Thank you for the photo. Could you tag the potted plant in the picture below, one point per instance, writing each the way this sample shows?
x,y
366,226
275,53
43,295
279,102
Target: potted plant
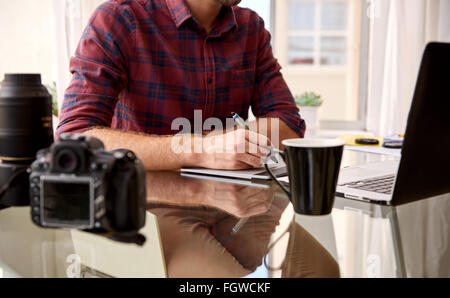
x,y
52,91
309,104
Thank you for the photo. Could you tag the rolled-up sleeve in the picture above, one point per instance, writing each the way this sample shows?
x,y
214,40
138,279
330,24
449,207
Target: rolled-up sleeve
x,y
99,70
272,98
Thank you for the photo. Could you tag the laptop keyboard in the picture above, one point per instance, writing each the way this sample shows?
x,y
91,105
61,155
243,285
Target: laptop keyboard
x,y
384,185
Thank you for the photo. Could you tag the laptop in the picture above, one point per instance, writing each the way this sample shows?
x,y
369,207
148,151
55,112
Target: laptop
x,y
424,168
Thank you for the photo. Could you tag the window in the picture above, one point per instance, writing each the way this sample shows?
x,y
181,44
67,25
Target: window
x,y
318,32
322,47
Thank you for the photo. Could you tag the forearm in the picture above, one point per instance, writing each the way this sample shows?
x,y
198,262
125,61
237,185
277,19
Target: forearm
x,y
154,151
160,153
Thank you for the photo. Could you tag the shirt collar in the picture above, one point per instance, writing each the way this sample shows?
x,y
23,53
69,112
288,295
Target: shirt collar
x,y
180,13
228,21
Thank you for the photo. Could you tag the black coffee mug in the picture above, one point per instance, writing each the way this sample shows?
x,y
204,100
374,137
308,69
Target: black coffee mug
x,y
313,167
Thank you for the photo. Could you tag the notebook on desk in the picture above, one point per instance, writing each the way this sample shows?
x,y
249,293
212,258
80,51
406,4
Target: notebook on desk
x,y
279,170
243,182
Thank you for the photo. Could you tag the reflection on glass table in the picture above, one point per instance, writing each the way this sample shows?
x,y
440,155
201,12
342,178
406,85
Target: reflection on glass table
x,y
198,241
189,234
383,241
30,251
370,240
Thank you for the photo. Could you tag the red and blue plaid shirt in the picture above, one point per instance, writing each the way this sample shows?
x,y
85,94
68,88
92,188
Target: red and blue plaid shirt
x,y
141,64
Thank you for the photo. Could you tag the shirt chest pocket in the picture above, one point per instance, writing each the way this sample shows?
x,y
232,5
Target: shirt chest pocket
x,y
235,90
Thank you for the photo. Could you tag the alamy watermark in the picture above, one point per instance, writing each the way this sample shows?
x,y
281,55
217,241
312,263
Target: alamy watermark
x,y
220,138
373,266
74,268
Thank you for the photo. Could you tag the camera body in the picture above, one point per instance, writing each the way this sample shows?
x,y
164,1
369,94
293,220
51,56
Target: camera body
x,y
76,184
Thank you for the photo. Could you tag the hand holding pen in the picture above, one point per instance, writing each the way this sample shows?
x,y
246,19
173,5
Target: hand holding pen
x,y
241,123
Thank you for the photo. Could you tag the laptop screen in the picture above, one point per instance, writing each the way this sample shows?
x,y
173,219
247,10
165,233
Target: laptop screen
x,y
425,165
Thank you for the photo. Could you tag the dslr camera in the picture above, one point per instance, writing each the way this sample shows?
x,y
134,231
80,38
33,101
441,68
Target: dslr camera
x,y
76,184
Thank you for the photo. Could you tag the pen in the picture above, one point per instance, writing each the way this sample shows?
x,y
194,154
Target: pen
x,y
241,123
239,225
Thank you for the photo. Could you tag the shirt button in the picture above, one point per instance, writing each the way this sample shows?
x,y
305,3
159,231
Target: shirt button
x,y
210,81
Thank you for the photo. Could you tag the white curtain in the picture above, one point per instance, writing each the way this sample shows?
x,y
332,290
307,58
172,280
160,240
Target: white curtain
x,y
70,18
400,30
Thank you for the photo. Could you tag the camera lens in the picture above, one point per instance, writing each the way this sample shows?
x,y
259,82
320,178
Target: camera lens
x,y
25,117
66,161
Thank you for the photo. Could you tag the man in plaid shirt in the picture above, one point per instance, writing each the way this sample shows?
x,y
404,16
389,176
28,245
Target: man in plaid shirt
x,y
141,64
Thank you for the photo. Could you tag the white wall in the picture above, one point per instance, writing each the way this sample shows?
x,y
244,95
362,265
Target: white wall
x,y
331,86
23,26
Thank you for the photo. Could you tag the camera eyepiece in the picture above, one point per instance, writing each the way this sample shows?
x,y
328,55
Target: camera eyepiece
x,y
66,161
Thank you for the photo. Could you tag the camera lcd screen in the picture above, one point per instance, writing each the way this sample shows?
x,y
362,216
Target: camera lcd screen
x,y
67,204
